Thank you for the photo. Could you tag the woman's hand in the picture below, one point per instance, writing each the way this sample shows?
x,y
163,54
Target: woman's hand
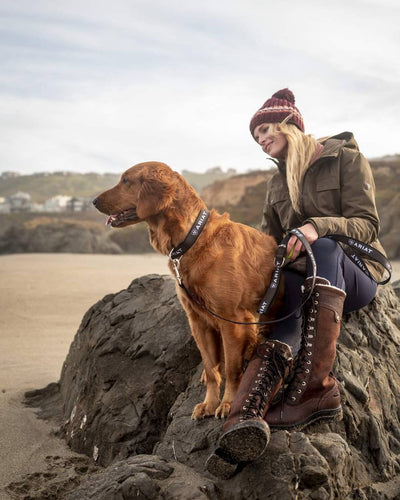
x,y
295,246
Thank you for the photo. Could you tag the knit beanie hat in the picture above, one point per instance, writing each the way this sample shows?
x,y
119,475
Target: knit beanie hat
x,y
276,109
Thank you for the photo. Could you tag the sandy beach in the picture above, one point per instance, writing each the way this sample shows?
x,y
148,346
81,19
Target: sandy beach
x,y
42,300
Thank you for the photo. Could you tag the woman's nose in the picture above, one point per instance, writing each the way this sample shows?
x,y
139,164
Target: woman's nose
x,y
261,139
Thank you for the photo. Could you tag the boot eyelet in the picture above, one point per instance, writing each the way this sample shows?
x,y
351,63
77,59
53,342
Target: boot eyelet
x,y
309,353
309,344
316,302
303,383
308,362
244,408
307,370
293,398
299,391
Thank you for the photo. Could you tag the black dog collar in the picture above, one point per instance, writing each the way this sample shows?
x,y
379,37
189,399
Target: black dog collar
x,y
192,235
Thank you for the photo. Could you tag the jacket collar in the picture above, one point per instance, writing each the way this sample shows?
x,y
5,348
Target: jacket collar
x,y
332,147
334,144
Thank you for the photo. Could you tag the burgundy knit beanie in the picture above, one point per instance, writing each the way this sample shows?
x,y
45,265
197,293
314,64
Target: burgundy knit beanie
x,y
276,109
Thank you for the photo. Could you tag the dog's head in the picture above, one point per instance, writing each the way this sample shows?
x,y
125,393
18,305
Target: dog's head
x,y
143,191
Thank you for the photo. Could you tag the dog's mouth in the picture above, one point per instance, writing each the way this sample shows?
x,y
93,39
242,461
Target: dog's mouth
x,y
120,218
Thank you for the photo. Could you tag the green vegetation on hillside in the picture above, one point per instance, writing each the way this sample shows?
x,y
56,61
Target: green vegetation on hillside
x,y
43,186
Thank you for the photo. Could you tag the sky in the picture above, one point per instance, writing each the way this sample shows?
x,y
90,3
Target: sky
x,y
99,85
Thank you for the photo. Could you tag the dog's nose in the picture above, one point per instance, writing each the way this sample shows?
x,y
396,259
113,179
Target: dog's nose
x,y
95,201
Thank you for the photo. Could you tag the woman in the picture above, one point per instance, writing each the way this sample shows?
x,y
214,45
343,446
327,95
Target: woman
x,y
321,187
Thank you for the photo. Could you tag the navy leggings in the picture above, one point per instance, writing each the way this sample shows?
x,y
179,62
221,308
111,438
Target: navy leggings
x,y
334,265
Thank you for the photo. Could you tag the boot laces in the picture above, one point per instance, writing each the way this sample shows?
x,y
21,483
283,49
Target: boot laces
x,y
303,366
271,371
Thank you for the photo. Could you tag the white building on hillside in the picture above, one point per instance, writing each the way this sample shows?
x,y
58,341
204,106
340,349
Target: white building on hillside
x,y
4,206
57,203
20,202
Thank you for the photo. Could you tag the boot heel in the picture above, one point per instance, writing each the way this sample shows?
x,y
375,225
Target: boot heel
x,y
246,440
220,466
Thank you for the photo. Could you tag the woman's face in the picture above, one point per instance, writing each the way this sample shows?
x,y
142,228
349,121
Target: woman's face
x,y
274,145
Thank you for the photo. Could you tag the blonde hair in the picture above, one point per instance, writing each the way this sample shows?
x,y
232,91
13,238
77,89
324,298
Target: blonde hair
x,y
301,149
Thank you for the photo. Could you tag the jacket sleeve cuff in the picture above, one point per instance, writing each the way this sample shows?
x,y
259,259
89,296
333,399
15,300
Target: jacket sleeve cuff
x,y
314,223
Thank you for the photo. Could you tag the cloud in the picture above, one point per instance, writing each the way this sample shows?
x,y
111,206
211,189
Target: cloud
x,y
100,85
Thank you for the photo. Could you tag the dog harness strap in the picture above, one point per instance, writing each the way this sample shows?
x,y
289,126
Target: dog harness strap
x,y
192,235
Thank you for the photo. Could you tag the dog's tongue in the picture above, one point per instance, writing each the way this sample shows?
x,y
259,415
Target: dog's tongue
x,y
109,220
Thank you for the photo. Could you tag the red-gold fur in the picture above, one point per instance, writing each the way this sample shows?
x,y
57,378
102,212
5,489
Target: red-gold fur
x,y
228,268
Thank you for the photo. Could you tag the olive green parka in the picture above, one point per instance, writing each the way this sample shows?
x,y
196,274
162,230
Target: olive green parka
x,y
337,197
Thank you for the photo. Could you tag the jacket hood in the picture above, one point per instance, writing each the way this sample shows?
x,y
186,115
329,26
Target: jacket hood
x,y
332,147
333,144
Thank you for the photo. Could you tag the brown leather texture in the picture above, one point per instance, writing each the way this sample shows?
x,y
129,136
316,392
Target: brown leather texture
x,y
314,389
269,366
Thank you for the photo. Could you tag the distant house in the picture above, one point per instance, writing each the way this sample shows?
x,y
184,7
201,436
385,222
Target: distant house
x,y
77,204
4,206
9,174
20,202
57,203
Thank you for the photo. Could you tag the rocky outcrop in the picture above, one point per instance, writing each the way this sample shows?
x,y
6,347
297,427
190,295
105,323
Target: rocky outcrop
x,y
80,235
132,377
131,358
57,236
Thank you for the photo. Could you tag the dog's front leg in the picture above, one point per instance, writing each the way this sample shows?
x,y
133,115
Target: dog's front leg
x,y
208,342
238,342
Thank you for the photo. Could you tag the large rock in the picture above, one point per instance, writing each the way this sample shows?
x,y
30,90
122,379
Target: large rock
x,y
131,358
132,377
57,236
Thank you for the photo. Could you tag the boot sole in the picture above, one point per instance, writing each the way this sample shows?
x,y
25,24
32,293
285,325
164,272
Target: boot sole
x,y
220,467
245,441
323,415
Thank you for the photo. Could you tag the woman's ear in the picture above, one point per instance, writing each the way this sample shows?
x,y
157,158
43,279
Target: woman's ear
x,y
154,196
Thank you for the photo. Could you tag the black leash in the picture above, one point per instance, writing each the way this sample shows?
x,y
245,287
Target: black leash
x,y
268,298
357,247
280,258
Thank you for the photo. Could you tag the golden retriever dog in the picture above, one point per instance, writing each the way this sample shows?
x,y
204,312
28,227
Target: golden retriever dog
x,y
228,269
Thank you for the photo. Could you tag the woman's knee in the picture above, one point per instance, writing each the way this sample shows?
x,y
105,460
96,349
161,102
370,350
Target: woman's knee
x,y
324,246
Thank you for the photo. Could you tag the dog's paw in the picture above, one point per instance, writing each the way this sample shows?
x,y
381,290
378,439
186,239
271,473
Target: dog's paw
x,y
203,410
223,410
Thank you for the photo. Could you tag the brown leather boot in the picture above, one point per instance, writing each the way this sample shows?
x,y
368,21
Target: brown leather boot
x,y
314,393
245,432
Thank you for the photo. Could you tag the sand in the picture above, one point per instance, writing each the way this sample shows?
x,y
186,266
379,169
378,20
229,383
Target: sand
x,y
43,298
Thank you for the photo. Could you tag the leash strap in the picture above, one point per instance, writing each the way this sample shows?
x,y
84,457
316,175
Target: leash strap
x,y
358,247
272,289
193,234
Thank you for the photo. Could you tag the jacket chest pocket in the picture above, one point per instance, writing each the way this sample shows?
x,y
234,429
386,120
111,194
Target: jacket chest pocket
x,y
325,201
282,206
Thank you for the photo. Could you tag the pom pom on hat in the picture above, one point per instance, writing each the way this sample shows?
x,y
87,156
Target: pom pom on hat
x,y
276,109
285,94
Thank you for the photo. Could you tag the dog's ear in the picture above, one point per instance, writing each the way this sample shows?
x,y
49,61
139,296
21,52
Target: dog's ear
x,y
155,194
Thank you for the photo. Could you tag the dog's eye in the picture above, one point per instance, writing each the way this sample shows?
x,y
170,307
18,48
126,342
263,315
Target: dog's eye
x,y
124,180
